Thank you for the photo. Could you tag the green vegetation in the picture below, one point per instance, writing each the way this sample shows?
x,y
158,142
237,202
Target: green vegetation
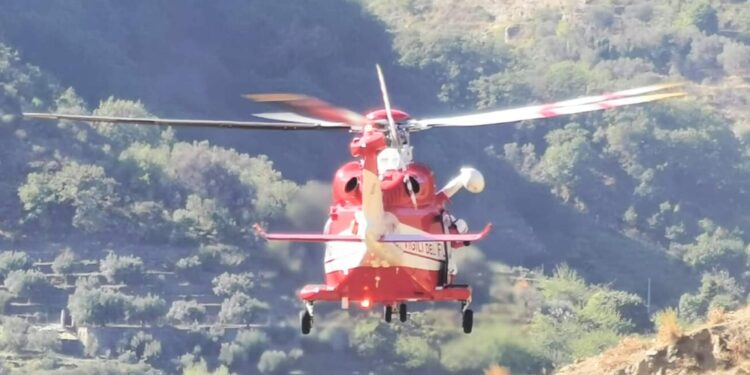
x,y
155,224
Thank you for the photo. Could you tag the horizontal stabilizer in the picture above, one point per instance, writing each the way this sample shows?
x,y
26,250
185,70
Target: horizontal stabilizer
x,y
429,237
305,237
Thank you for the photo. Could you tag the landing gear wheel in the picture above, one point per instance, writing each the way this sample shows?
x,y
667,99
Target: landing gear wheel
x,y
305,321
388,313
402,312
468,320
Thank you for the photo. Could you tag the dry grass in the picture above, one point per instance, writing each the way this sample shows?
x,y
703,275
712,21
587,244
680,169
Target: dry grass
x,y
621,354
668,328
737,348
717,316
497,370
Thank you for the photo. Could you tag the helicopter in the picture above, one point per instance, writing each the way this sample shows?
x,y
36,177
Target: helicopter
x,y
389,238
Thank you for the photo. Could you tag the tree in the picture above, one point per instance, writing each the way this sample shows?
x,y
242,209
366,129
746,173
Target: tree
x,y
189,267
96,306
613,311
149,221
186,312
735,58
80,195
246,348
14,333
148,309
123,136
718,290
228,284
565,79
716,247
308,207
372,338
218,256
241,309
565,284
568,162
415,352
702,15
30,283
122,269
273,362
202,220
201,368
64,261
13,260
5,298
142,346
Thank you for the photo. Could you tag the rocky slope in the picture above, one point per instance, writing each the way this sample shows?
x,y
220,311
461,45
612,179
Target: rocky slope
x,y
721,346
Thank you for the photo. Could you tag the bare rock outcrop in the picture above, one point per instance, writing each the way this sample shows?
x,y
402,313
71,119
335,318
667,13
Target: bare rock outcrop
x,y
721,348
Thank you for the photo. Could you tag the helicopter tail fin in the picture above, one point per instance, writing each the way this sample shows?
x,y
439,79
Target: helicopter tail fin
x,y
372,194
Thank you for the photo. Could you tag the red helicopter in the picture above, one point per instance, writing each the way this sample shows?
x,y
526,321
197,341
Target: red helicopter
x,y
389,237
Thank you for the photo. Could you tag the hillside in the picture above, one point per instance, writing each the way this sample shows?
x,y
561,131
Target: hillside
x,y
717,347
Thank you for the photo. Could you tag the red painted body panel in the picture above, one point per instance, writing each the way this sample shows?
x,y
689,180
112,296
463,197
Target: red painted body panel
x,y
382,115
384,286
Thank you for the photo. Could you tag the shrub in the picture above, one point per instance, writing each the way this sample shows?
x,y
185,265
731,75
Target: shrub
x,y
239,308
668,328
122,269
64,262
5,297
189,267
228,284
273,362
142,346
201,368
221,255
186,312
247,347
44,341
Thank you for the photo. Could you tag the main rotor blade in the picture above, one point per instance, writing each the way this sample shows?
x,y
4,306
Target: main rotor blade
x,y
185,123
387,103
616,95
312,107
293,117
537,112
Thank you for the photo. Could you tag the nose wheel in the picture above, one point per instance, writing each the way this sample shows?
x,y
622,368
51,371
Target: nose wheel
x,y
388,313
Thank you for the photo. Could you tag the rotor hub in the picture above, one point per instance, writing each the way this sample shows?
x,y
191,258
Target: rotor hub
x,y
382,115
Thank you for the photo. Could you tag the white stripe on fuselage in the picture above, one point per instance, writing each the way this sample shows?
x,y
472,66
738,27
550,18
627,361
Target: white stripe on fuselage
x,y
342,256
